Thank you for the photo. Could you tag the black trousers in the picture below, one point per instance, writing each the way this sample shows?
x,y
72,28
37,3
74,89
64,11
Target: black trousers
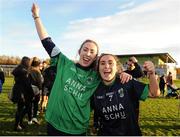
x,y
22,109
35,104
51,131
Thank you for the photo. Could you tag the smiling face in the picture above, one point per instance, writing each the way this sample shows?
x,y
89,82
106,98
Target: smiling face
x,y
107,68
88,54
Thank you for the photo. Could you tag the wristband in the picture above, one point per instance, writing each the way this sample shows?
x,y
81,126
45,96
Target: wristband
x,y
35,17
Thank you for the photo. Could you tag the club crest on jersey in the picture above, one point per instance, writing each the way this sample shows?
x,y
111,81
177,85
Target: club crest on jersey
x,y
89,80
121,92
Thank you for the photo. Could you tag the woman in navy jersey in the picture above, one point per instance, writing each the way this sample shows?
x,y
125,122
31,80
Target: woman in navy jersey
x,y
114,102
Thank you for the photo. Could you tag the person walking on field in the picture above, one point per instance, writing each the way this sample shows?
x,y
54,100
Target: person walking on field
x,y
36,83
169,82
2,79
68,110
22,93
162,83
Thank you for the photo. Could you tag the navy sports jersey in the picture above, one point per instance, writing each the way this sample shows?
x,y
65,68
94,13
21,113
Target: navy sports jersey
x,y
114,107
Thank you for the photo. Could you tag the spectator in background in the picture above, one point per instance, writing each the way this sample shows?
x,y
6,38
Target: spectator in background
x,y
135,70
36,83
45,92
22,92
2,79
162,83
169,79
169,82
43,65
49,75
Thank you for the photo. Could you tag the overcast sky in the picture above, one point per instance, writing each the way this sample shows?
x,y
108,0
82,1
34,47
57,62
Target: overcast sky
x,y
118,26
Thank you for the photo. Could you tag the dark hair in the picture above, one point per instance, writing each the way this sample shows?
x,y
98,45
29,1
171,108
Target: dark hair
x,y
119,65
130,59
25,61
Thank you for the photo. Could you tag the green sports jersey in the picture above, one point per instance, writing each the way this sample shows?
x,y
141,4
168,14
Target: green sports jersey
x,y
69,102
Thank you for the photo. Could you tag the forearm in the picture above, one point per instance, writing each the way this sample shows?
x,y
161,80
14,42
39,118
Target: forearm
x,y
153,86
50,47
40,28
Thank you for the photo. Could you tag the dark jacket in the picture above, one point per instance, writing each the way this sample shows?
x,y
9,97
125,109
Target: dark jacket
x,y
2,77
162,82
136,72
49,75
35,78
22,84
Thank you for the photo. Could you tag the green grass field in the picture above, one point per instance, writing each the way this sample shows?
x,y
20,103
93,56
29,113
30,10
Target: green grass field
x,y
158,117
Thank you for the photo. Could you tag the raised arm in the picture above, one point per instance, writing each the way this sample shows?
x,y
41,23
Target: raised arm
x,y
39,26
153,83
